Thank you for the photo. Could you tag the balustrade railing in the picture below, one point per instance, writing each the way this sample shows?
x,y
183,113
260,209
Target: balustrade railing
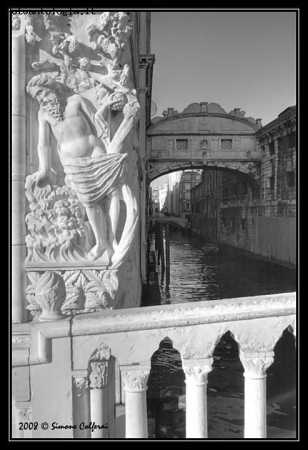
x,y
80,367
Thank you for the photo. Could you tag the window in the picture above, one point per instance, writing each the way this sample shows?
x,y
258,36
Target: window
x,y
182,144
187,195
271,148
187,205
290,179
263,150
198,177
226,144
271,183
292,140
187,186
203,143
243,224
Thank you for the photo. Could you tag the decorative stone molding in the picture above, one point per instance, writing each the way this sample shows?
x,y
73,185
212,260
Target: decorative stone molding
x,y
205,312
196,370
145,60
135,378
99,364
30,35
50,295
99,374
16,22
256,363
25,414
279,309
85,291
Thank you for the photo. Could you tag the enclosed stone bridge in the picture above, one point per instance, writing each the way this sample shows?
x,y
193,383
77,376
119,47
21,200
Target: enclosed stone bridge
x,y
171,220
204,135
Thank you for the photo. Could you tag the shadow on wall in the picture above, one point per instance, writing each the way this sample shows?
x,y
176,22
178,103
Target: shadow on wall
x,y
120,421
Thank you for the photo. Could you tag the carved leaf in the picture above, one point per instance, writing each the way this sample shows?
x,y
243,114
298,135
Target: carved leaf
x,y
70,276
33,277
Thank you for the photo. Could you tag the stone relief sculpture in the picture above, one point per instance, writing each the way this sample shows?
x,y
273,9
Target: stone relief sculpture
x,y
90,107
91,147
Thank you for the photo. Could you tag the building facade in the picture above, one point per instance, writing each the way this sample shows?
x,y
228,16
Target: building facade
x,y
227,209
189,179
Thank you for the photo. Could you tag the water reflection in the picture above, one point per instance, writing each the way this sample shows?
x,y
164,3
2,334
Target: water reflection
x,y
196,276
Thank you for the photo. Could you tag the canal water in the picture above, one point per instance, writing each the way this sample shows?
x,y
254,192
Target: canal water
x,y
196,276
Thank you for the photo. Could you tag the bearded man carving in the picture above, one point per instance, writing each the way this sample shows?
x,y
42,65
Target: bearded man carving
x,y
93,163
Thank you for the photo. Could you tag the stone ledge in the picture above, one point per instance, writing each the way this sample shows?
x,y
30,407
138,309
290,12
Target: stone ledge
x,y
149,318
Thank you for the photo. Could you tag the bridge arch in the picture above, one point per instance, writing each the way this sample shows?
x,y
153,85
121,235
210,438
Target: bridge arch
x,y
250,174
204,135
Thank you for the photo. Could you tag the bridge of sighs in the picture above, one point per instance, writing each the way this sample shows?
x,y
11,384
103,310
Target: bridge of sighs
x,y
203,135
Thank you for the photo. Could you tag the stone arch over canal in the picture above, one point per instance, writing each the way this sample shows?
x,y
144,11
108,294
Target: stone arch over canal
x,y
204,135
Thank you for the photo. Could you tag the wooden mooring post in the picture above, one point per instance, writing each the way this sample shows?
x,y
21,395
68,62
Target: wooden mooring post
x,y
167,239
162,248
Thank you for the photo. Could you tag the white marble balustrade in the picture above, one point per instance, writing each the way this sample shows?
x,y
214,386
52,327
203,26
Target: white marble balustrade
x,y
94,342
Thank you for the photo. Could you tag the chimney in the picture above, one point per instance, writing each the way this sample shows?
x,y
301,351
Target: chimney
x,y
170,112
204,106
258,123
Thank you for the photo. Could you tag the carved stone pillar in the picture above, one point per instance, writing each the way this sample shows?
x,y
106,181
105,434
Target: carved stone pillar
x,y
196,371
99,393
255,366
18,171
23,415
81,405
135,385
143,64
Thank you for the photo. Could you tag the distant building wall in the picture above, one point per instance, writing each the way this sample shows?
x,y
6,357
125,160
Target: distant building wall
x,y
226,210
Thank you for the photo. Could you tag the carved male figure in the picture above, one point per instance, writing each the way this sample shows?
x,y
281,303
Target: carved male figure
x,y
93,163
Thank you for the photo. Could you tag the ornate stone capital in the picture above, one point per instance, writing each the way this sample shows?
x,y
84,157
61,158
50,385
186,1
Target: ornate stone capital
x,y
49,295
24,411
80,384
135,378
196,370
99,364
256,363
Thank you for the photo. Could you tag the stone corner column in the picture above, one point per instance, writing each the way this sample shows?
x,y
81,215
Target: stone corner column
x,y
196,371
255,366
135,379
21,427
99,363
18,52
81,404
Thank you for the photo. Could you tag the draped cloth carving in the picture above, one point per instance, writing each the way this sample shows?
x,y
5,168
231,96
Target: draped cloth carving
x,y
90,107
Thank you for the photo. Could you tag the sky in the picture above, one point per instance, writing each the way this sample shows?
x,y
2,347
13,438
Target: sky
x,y
238,59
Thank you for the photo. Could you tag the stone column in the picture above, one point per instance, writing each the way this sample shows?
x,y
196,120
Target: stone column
x,y
196,371
18,171
143,64
81,405
99,392
255,366
135,385
23,415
